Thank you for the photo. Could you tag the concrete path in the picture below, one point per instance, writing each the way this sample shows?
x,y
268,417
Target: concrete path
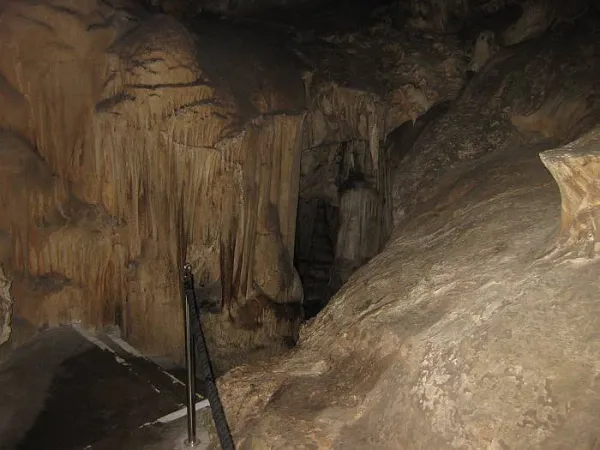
x,y
67,389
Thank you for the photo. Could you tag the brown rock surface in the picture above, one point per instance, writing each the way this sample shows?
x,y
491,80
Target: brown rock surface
x,y
131,152
461,334
130,143
545,92
575,169
6,302
467,331
151,141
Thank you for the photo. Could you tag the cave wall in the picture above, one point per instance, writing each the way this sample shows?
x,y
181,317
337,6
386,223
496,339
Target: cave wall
x,y
121,153
476,326
131,143
5,308
555,110
193,7
348,160
515,21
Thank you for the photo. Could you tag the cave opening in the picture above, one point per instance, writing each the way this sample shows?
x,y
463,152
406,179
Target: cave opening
x,y
316,237
344,214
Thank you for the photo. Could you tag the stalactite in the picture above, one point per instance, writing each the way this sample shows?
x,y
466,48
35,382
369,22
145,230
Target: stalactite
x,y
142,156
148,146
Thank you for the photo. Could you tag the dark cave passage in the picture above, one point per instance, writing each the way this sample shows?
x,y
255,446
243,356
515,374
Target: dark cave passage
x,y
345,208
316,236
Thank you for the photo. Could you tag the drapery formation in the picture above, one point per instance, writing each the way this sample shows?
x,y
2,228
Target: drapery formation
x,y
129,143
118,150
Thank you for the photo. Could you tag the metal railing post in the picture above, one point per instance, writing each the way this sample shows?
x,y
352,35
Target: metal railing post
x,y
190,362
195,341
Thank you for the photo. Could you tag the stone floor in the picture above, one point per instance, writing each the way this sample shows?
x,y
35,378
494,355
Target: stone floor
x,y
66,389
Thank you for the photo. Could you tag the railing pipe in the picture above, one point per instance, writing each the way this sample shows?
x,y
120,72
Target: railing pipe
x,y
190,363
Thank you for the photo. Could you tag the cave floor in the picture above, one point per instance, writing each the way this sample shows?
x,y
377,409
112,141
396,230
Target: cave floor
x,y
67,389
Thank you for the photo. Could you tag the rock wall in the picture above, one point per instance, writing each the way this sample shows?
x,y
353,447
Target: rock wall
x,y
514,91
347,165
5,308
128,154
193,7
475,326
132,144
517,20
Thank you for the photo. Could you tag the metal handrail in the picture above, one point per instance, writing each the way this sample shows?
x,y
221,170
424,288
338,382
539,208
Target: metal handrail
x,y
195,341
190,361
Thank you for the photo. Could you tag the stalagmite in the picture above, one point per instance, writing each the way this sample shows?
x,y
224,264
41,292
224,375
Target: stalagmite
x,y
484,49
360,222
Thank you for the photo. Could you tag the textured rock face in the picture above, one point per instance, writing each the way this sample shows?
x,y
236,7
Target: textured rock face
x,y
473,341
539,15
193,7
148,144
469,330
131,153
462,335
575,169
346,169
5,307
130,143
515,97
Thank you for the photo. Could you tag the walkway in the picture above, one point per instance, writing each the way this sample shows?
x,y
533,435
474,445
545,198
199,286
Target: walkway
x,y
67,389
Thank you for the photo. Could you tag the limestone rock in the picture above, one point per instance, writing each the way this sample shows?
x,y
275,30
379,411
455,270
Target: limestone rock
x,y
484,49
150,146
353,111
564,115
575,169
6,302
467,331
460,334
515,97
439,15
190,8
539,15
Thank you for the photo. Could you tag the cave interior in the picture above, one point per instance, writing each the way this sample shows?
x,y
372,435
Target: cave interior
x,y
306,157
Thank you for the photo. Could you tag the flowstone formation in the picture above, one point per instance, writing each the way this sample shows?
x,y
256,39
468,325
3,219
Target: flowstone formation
x,y
132,143
345,212
466,315
475,326
128,155
575,169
